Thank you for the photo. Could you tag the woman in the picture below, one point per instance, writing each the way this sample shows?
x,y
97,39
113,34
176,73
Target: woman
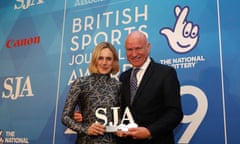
x,y
98,90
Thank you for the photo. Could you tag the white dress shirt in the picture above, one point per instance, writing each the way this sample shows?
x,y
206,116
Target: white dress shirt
x,y
142,71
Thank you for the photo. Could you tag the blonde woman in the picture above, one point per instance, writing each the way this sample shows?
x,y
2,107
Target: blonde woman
x,y
92,92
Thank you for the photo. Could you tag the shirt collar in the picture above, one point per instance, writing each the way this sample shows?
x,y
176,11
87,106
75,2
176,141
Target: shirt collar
x,y
145,65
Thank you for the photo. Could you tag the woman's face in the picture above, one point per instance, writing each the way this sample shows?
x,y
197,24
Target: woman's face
x,y
105,61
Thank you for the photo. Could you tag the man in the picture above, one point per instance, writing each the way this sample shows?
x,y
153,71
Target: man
x,y
156,106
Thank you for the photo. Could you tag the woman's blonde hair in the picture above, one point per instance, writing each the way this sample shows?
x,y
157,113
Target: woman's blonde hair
x,y
96,54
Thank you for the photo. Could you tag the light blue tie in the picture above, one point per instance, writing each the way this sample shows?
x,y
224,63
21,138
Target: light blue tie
x,y
133,83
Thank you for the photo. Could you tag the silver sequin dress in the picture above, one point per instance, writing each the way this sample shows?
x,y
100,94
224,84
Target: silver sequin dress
x,y
90,93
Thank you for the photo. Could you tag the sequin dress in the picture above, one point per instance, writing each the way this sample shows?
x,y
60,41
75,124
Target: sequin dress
x,y
89,93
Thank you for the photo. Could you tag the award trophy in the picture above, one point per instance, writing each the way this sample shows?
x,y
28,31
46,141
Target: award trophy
x,y
127,116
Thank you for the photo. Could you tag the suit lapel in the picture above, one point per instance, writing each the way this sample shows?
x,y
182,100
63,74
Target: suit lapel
x,y
128,97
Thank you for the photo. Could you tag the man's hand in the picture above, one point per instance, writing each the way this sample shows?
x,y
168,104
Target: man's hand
x,y
139,133
121,133
77,116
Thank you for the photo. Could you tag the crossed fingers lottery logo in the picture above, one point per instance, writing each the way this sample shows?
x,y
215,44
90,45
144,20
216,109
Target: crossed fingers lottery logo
x,y
184,36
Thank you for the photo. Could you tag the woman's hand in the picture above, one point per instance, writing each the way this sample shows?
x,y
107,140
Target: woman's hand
x,y
96,129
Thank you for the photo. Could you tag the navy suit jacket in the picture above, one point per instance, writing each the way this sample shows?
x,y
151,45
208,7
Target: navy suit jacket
x,y
157,103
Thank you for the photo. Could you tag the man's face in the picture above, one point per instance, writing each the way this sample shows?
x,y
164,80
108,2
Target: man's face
x,y
137,51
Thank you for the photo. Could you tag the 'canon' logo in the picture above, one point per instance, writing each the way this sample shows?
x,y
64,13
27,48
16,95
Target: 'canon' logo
x,y
11,43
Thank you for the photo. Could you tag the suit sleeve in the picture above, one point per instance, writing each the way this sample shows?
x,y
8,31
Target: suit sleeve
x,y
172,114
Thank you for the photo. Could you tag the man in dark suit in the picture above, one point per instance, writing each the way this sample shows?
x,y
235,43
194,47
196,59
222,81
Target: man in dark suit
x,y
156,106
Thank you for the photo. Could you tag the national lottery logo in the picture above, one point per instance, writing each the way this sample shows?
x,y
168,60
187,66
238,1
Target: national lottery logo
x,y
184,36
12,138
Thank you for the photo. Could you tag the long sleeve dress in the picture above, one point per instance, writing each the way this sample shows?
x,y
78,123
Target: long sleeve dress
x,y
89,93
